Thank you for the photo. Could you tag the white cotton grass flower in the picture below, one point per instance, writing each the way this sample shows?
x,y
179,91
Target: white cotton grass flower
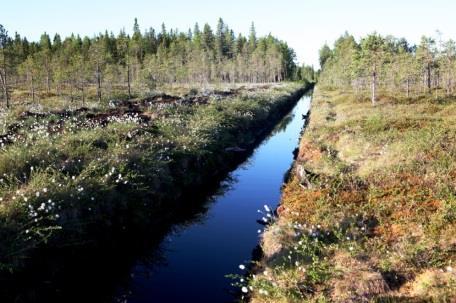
x,y
244,289
267,208
242,266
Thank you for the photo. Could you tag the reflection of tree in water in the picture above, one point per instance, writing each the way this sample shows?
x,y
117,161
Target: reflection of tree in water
x,y
198,214
283,124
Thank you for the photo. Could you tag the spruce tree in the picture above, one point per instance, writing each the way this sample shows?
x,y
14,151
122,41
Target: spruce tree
x,y
252,38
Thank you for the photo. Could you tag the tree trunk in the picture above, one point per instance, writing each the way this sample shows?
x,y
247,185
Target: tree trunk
x,y
408,88
83,93
5,84
32,88
429,83
48,82
71,92
374,87
450,88
128,81
98,82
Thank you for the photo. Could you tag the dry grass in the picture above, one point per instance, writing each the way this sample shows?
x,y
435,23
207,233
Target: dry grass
x,y
390,171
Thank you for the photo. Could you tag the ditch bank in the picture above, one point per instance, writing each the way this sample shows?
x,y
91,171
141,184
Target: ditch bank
x,y
368,211
86,239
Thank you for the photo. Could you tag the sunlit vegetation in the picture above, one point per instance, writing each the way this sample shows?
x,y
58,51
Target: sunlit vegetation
x,y
67,176
378,65
101,135
369,214
80,69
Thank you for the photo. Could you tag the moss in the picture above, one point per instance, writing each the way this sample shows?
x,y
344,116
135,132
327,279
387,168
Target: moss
x,y
390,171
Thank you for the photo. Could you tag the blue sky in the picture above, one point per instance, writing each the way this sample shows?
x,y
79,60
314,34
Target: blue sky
x,y
305,24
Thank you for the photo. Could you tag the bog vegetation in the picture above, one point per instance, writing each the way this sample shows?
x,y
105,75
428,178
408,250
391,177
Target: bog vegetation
x,y
103,135
114,66
74,178
369,214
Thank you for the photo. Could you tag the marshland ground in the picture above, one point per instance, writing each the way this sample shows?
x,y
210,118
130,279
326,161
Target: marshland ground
x,y
369,212
101,136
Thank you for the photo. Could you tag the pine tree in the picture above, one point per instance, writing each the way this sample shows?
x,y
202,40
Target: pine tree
x,y
207,38
220,41
373,55
4,57
107,62
123,45
45,59
197,36
324,55
136,42
426,56
56,43
99,59
30,69
448,60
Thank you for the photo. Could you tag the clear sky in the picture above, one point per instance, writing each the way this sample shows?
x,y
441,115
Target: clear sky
x,y
305,24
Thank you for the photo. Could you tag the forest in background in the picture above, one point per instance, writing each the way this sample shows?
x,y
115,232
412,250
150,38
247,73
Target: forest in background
x,y
389,65
368,213
109,66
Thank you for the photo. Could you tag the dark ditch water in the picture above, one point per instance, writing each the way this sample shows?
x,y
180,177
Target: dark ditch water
x,y
196,257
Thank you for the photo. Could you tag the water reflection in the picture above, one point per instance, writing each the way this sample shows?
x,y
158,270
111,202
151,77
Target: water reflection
x,y
183,261
201,253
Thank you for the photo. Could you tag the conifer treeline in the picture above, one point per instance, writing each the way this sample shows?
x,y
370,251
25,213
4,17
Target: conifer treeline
x,y
107,64
390,65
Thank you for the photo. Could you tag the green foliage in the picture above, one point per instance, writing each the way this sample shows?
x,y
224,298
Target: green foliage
x,y
388,65
76,67
325,53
